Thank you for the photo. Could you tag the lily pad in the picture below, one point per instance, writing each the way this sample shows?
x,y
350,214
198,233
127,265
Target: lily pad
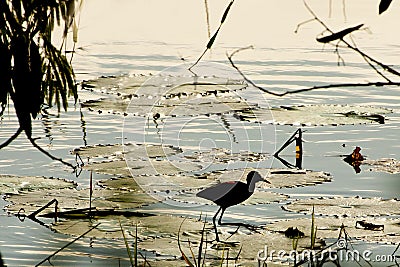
x,y
222,155
248,245
346,206
141,167
72,199
316,115
278,178
10,184
331,227
383,165
138,151
149,226
158,85
178,106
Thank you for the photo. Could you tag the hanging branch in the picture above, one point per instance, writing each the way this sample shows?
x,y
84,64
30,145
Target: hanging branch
x,y
212,39
33,142
12,138
302,89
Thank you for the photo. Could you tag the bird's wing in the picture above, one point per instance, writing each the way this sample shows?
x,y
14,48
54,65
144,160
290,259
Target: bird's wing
x,y
216,192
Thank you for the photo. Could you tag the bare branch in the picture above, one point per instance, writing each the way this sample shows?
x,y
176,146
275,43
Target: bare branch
x,y
33,142
378,84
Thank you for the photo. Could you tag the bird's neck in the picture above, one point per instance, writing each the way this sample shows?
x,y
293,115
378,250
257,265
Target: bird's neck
x,y
252,186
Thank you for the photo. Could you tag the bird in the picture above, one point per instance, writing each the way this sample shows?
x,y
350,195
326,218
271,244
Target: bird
x,y
229,194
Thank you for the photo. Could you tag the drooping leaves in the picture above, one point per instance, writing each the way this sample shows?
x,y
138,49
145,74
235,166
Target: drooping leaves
x,y
30,66
384,5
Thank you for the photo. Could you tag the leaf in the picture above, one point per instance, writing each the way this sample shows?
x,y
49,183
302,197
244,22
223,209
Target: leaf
x,y
226,12
384,5
210,43
338,35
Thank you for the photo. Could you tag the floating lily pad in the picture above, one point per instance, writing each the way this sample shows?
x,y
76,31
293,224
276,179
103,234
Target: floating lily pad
x,y
330,227
156,182
317,115
278,178
158,85
346,206
248,245
221,155
10,184
141,167
178,106
72,199
383,165
138,151
107,105
149,226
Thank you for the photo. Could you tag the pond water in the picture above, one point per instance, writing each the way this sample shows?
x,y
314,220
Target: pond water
x,y
149,37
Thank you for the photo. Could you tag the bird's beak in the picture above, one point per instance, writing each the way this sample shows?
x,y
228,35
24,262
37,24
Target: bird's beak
x,y
266,181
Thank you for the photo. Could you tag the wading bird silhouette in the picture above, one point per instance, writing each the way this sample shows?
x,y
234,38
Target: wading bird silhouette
x,y
229,194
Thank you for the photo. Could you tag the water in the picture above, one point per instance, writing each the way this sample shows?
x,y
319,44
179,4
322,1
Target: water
x,y
142,37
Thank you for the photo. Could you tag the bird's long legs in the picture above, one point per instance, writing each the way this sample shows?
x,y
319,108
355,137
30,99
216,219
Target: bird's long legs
x,y
215,226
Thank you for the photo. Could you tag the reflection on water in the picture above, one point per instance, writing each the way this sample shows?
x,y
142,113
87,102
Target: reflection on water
x,y
135,37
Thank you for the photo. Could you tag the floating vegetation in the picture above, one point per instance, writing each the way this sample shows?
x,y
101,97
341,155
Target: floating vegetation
x,y
72,199
385,229
10,184
222,155
138,151
178,106
316,115
166,95
383,165
346,206
134,167
278,178
248,245
149,226
162,86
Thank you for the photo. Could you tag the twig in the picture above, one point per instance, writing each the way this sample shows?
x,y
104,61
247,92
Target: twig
x,y
378,84
48,154
70,243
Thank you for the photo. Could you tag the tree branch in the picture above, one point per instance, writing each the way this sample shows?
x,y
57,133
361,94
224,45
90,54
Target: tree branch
x,y
388,83
49,155
12,138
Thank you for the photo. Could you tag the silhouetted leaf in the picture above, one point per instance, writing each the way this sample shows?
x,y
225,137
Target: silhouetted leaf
x,y
226,12
338,35
384,5
210,43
